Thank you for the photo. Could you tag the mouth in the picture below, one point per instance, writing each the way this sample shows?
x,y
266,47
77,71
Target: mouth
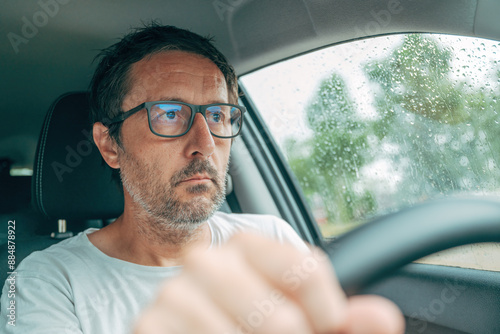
x,y
197,179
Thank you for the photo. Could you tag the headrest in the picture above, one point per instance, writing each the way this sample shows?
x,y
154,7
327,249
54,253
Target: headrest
x,y
70,178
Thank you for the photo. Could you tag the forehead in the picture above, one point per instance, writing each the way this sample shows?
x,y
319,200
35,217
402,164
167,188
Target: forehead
x,y
176,61
174,73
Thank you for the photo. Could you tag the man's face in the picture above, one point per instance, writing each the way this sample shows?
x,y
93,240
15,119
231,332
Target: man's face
x,y
175,180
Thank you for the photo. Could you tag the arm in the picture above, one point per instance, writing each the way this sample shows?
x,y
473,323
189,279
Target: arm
x,y
255,285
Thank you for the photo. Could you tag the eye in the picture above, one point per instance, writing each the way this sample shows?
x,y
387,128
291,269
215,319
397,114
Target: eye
x,y
170,115
215,114
216,117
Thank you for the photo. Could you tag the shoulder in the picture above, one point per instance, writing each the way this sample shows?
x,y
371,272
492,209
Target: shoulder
x,y
48,271
56,258
224,225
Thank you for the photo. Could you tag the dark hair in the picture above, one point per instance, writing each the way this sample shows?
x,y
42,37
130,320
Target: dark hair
x,y
111,80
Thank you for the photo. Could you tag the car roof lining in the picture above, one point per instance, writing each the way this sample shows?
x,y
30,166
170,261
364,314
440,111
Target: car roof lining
x,y
330,22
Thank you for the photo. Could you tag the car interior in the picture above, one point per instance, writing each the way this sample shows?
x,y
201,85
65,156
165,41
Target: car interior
x,y
54,183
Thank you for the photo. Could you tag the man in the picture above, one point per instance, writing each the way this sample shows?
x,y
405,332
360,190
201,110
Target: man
x,y
165,111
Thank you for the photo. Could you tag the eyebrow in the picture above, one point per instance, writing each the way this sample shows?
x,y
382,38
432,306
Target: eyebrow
x,y
172,98
178,99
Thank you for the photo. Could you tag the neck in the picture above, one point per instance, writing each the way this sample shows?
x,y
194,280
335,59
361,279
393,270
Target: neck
x,y
139,238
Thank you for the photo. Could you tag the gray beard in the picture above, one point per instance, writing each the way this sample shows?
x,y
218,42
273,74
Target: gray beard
x,y
165,218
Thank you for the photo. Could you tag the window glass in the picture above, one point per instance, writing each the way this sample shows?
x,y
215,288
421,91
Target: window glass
x,y
371,126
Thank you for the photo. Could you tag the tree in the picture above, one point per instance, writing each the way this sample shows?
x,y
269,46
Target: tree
x,y
328,164
443,130
440,124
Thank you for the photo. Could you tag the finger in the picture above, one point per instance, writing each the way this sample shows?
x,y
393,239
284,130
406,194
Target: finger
x,y
307,279
181,307
374,315
244,294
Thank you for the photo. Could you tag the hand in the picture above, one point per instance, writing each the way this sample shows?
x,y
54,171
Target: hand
x,y
256,285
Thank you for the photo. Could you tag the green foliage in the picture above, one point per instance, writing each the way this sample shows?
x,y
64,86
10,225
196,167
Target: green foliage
x,y
334,154
444,132
415,78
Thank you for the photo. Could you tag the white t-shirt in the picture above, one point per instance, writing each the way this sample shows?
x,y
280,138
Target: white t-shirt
x,y
72,287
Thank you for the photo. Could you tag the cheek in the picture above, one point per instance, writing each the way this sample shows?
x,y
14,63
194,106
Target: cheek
x,y
150,149
223,151
135,129
162,165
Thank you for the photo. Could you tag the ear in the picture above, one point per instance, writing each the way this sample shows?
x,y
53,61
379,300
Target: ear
x,y
106,145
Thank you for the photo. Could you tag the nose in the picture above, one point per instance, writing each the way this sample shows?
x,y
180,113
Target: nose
x,y
200,141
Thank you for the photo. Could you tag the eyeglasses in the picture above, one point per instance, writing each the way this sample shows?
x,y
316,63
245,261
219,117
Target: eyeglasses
x,y
174,119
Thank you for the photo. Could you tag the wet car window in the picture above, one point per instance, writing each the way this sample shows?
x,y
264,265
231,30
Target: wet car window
x,y
372,126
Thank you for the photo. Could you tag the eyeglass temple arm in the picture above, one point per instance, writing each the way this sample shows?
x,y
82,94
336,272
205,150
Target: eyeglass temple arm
x,y
123,116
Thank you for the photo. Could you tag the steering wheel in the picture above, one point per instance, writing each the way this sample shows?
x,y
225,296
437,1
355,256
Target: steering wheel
x,y
374,250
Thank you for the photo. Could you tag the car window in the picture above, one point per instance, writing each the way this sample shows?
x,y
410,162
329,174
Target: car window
x,y
375,125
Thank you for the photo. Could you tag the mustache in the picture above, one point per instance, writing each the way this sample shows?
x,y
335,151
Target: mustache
x,y
195,167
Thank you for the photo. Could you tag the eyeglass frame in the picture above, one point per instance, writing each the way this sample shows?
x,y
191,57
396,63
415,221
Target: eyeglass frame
x,y
197,108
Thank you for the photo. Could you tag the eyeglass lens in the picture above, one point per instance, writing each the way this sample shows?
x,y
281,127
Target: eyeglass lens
x,y
171,119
